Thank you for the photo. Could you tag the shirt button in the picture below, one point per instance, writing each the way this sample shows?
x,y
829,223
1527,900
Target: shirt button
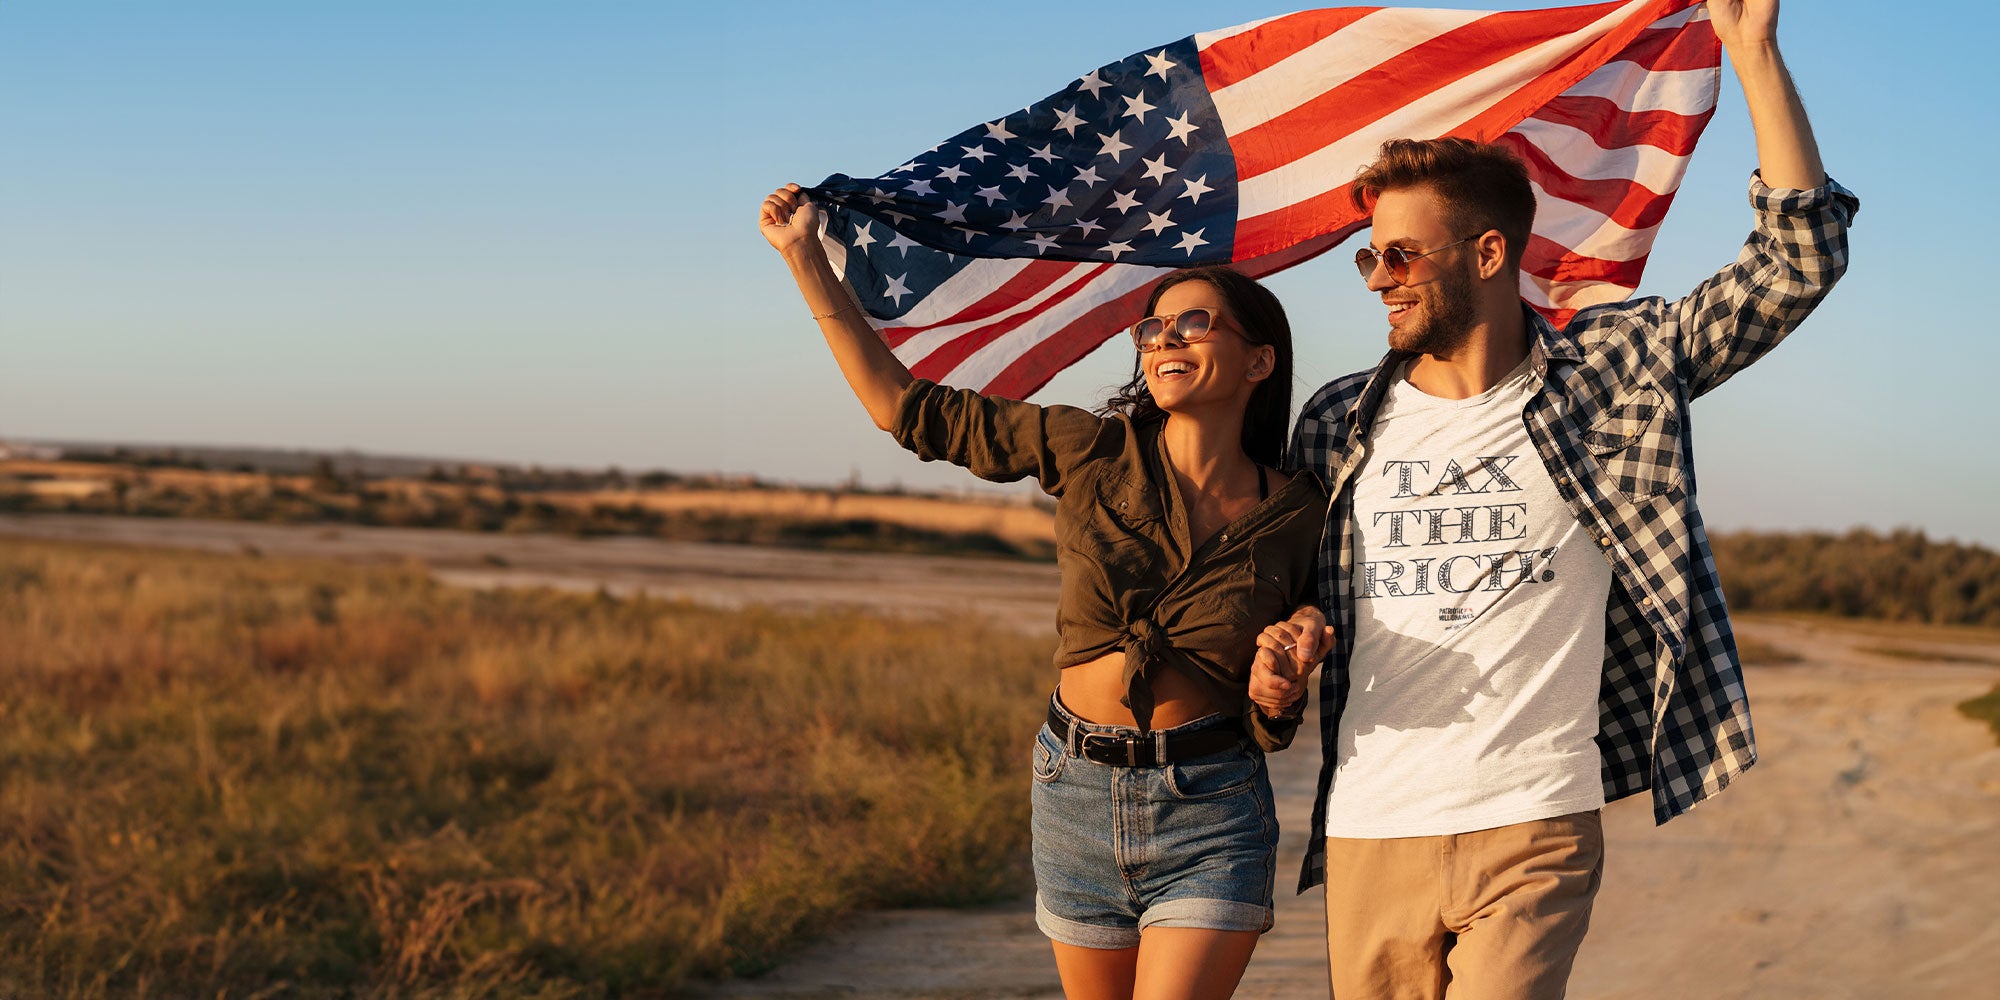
x,y
1604,540
1645,602
1225,536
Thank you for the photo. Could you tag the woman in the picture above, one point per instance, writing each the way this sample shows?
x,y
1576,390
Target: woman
x,y
1178,542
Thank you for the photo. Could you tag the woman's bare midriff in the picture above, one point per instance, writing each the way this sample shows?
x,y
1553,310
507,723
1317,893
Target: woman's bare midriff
x,y
1093,691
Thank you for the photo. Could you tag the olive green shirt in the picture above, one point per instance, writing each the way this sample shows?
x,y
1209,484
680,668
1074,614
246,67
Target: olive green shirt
x,y
1132,578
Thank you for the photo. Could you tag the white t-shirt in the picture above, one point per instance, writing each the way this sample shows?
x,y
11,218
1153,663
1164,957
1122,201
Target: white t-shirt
x,y
1479,627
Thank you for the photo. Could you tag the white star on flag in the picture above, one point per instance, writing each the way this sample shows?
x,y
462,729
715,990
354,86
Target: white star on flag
x,y
1191,240
1160,64
1195,189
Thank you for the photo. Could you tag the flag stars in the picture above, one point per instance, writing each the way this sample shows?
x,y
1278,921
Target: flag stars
x,y
1088,226
1123,201
1066,120
952,174
1016,223
953,212
1157,169
1058,198
1087,175
1195,189
1092,82
991,194
1160,64
919,187
976,151
1020,172
897,290
1191,240
1182,127
1117,249
863,239
903,243
1114,146
1042,243
1044,154
1158,222
997,131
1136,107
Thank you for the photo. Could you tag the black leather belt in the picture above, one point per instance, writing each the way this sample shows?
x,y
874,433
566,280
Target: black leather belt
x,y
1139,751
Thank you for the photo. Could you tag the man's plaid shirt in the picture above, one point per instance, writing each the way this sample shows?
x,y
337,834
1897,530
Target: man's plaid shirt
x,y
1610,420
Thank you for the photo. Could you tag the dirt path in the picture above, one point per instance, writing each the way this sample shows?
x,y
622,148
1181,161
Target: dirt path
x,y
1859,858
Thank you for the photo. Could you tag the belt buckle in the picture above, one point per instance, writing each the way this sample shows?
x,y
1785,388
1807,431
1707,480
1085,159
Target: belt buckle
x,y
1109,741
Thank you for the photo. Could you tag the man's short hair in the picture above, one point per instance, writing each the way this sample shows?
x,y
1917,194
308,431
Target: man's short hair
x,y
1482,186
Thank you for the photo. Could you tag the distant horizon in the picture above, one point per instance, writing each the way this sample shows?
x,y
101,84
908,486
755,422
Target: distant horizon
x,y
972,489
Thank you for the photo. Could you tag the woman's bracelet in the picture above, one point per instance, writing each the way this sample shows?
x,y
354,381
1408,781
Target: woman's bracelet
x,y
836,312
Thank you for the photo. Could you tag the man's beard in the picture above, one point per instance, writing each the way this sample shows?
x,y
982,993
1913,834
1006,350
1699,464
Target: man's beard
x,y
1448,314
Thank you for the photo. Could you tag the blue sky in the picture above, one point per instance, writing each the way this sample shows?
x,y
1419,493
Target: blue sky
x,y
525,231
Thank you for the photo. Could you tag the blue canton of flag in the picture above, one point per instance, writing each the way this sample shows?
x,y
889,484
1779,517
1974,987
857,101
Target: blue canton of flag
x,y
1127,165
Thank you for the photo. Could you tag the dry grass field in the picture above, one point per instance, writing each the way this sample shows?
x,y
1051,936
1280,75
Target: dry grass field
x,y
236,776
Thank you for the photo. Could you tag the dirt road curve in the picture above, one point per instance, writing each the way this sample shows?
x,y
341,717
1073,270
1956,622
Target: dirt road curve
x,y
1859,859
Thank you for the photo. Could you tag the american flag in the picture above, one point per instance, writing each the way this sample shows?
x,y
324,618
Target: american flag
x,y
1000,256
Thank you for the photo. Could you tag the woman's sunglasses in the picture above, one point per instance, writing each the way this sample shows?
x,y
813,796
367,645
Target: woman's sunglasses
x,y
1190,326
1396,259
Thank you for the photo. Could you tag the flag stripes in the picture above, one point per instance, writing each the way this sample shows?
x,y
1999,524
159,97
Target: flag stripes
x,y
1604,103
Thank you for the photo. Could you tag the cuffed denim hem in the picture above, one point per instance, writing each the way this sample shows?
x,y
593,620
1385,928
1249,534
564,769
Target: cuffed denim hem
x,y
1081,935
1208,914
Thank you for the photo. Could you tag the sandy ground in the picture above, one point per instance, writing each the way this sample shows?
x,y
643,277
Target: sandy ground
x,y
1859,858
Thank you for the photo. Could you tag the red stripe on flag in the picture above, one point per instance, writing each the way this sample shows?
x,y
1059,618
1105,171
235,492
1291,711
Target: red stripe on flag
x,y
1066,346
1273,231
1692,46
1408,76
1545,258
1247,53
1503,115
1024,285
948,355
1614,127
1626,202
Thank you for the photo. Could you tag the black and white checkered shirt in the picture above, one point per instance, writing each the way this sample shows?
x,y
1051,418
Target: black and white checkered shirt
x,y
1610,419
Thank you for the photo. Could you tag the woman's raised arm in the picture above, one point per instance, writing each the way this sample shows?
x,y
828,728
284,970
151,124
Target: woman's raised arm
x,y
790,221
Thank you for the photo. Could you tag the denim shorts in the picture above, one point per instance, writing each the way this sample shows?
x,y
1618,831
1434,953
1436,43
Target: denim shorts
x,y
1119,849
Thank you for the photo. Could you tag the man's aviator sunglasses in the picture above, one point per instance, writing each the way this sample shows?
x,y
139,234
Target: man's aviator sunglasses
x,y
1190,326
1396,259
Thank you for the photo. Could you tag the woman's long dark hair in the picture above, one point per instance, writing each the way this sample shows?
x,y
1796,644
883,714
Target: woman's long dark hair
x,y
1256,312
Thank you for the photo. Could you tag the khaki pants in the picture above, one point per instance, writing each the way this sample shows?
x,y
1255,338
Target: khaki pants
x,y
1470,916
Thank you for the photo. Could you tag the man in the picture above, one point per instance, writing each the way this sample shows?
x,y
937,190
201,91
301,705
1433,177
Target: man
x,y
1527,617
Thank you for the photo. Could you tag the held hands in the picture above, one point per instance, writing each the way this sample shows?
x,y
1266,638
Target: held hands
x,y
789,220
1287,654
1744,22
